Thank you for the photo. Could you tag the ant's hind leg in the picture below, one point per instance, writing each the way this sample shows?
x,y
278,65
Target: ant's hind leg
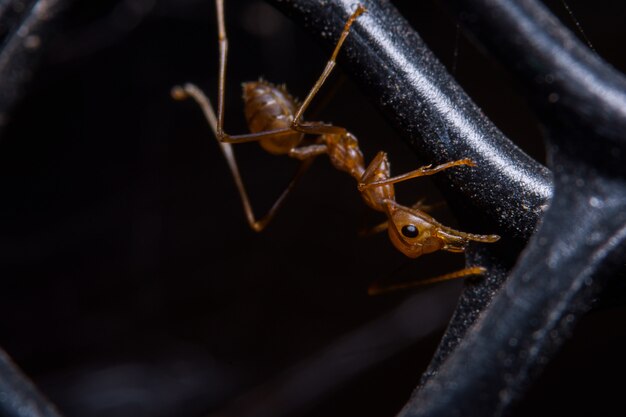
x,y
219,125
223,47
193,91
190,90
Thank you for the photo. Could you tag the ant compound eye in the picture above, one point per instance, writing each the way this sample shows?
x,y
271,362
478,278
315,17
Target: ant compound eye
x,y
410,231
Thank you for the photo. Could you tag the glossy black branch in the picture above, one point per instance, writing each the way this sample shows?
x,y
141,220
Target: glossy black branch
x,y
581,242
392,64
441,123
581,101
555,282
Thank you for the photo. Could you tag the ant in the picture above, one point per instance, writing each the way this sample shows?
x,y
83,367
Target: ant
x,y
275,120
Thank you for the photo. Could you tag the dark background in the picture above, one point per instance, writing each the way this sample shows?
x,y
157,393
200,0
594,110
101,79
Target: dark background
x,y
131,283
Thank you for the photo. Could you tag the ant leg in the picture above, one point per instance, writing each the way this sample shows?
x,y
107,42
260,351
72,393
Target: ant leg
x,y
312,128
420,205
191,90
223,47
377,288
194,92
223,50
327,70
420,172
317,128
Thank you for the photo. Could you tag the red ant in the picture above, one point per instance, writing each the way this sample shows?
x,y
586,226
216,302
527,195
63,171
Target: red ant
x,y
275,119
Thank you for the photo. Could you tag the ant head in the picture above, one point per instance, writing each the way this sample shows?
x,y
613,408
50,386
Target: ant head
x,y
412,231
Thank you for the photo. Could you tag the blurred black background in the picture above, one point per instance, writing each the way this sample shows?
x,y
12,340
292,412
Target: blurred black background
x,y
131,283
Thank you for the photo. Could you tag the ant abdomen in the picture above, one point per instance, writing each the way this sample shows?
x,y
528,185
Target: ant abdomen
x,y
269,107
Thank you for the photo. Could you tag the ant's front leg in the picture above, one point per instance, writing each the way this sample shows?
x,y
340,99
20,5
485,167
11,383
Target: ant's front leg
x,y
420,172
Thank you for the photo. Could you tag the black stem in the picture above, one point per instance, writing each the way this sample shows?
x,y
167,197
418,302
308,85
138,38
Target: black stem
x,y
438,120
581,242
582,103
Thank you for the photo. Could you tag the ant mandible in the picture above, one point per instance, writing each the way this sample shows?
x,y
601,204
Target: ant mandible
x,y
275,120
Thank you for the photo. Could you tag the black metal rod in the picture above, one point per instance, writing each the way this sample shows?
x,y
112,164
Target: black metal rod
x,y
581,242
441,123
561,76
555,282
581,101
